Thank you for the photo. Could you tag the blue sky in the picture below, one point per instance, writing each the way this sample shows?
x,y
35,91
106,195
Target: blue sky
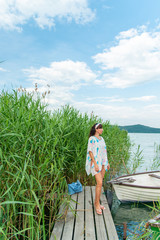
x,y
98,56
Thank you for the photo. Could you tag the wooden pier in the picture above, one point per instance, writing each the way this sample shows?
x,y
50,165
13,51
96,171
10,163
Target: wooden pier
x,y
85,224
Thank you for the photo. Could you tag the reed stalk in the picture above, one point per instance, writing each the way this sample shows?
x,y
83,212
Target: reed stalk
x,y
40,153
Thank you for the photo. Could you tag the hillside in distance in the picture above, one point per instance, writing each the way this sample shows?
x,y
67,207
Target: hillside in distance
x,y
138,128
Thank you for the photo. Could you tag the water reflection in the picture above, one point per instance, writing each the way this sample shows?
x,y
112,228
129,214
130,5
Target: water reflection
x,y
133,214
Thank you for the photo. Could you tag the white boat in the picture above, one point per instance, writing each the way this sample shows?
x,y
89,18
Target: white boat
x,y
139,187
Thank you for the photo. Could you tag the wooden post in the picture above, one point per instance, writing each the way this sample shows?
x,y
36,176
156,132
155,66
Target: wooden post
x,y
124,231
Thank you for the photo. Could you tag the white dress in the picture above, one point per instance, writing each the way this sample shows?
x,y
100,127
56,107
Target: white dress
x,y
98,148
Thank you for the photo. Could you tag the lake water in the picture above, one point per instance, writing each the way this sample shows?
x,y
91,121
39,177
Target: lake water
x,y
148,143
133,214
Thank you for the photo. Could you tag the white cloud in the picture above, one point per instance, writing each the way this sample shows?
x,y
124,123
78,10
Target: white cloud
x,y
134,59
127,34
3,70
119,99
115,114
63,77
143,98
153,108
66,77
15,13
123,115
67,72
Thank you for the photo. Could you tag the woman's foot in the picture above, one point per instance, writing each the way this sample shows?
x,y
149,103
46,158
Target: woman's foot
x,y
98,211
102,207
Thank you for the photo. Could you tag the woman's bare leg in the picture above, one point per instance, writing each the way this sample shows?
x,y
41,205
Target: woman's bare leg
x,y
98,178
103,172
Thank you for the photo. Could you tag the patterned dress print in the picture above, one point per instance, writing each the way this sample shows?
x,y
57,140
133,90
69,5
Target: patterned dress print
x,y
98,148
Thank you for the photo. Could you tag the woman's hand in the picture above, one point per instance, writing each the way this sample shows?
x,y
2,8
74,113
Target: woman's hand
x,y
108,166
96,167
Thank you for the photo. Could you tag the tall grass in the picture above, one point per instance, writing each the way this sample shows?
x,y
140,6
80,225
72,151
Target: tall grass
x,y
156,160
145,232
40,152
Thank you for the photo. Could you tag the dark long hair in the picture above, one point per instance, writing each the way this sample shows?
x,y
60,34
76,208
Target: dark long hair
x,y
93,130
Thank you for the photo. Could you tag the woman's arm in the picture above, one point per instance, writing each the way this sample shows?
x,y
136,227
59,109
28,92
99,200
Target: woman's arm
x,y
93,160
108,166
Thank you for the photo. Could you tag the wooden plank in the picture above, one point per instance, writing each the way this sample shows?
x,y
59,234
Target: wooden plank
x,y
97,227
89,221
58,227
100,225
79,226
111,230
69,220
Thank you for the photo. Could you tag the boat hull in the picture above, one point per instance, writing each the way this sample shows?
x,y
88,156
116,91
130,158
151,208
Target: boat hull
x,y
136,194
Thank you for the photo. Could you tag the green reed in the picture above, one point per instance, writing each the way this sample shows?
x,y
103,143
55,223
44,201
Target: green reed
x,y
156,160
40,153
145,232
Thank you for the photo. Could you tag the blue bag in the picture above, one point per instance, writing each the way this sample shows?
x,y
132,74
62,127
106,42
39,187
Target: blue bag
x,y
74,187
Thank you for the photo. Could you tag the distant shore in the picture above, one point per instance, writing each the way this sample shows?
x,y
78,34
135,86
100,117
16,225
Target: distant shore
x,y
138,128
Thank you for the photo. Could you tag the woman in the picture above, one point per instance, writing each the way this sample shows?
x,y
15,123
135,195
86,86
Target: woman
x,y
97,161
